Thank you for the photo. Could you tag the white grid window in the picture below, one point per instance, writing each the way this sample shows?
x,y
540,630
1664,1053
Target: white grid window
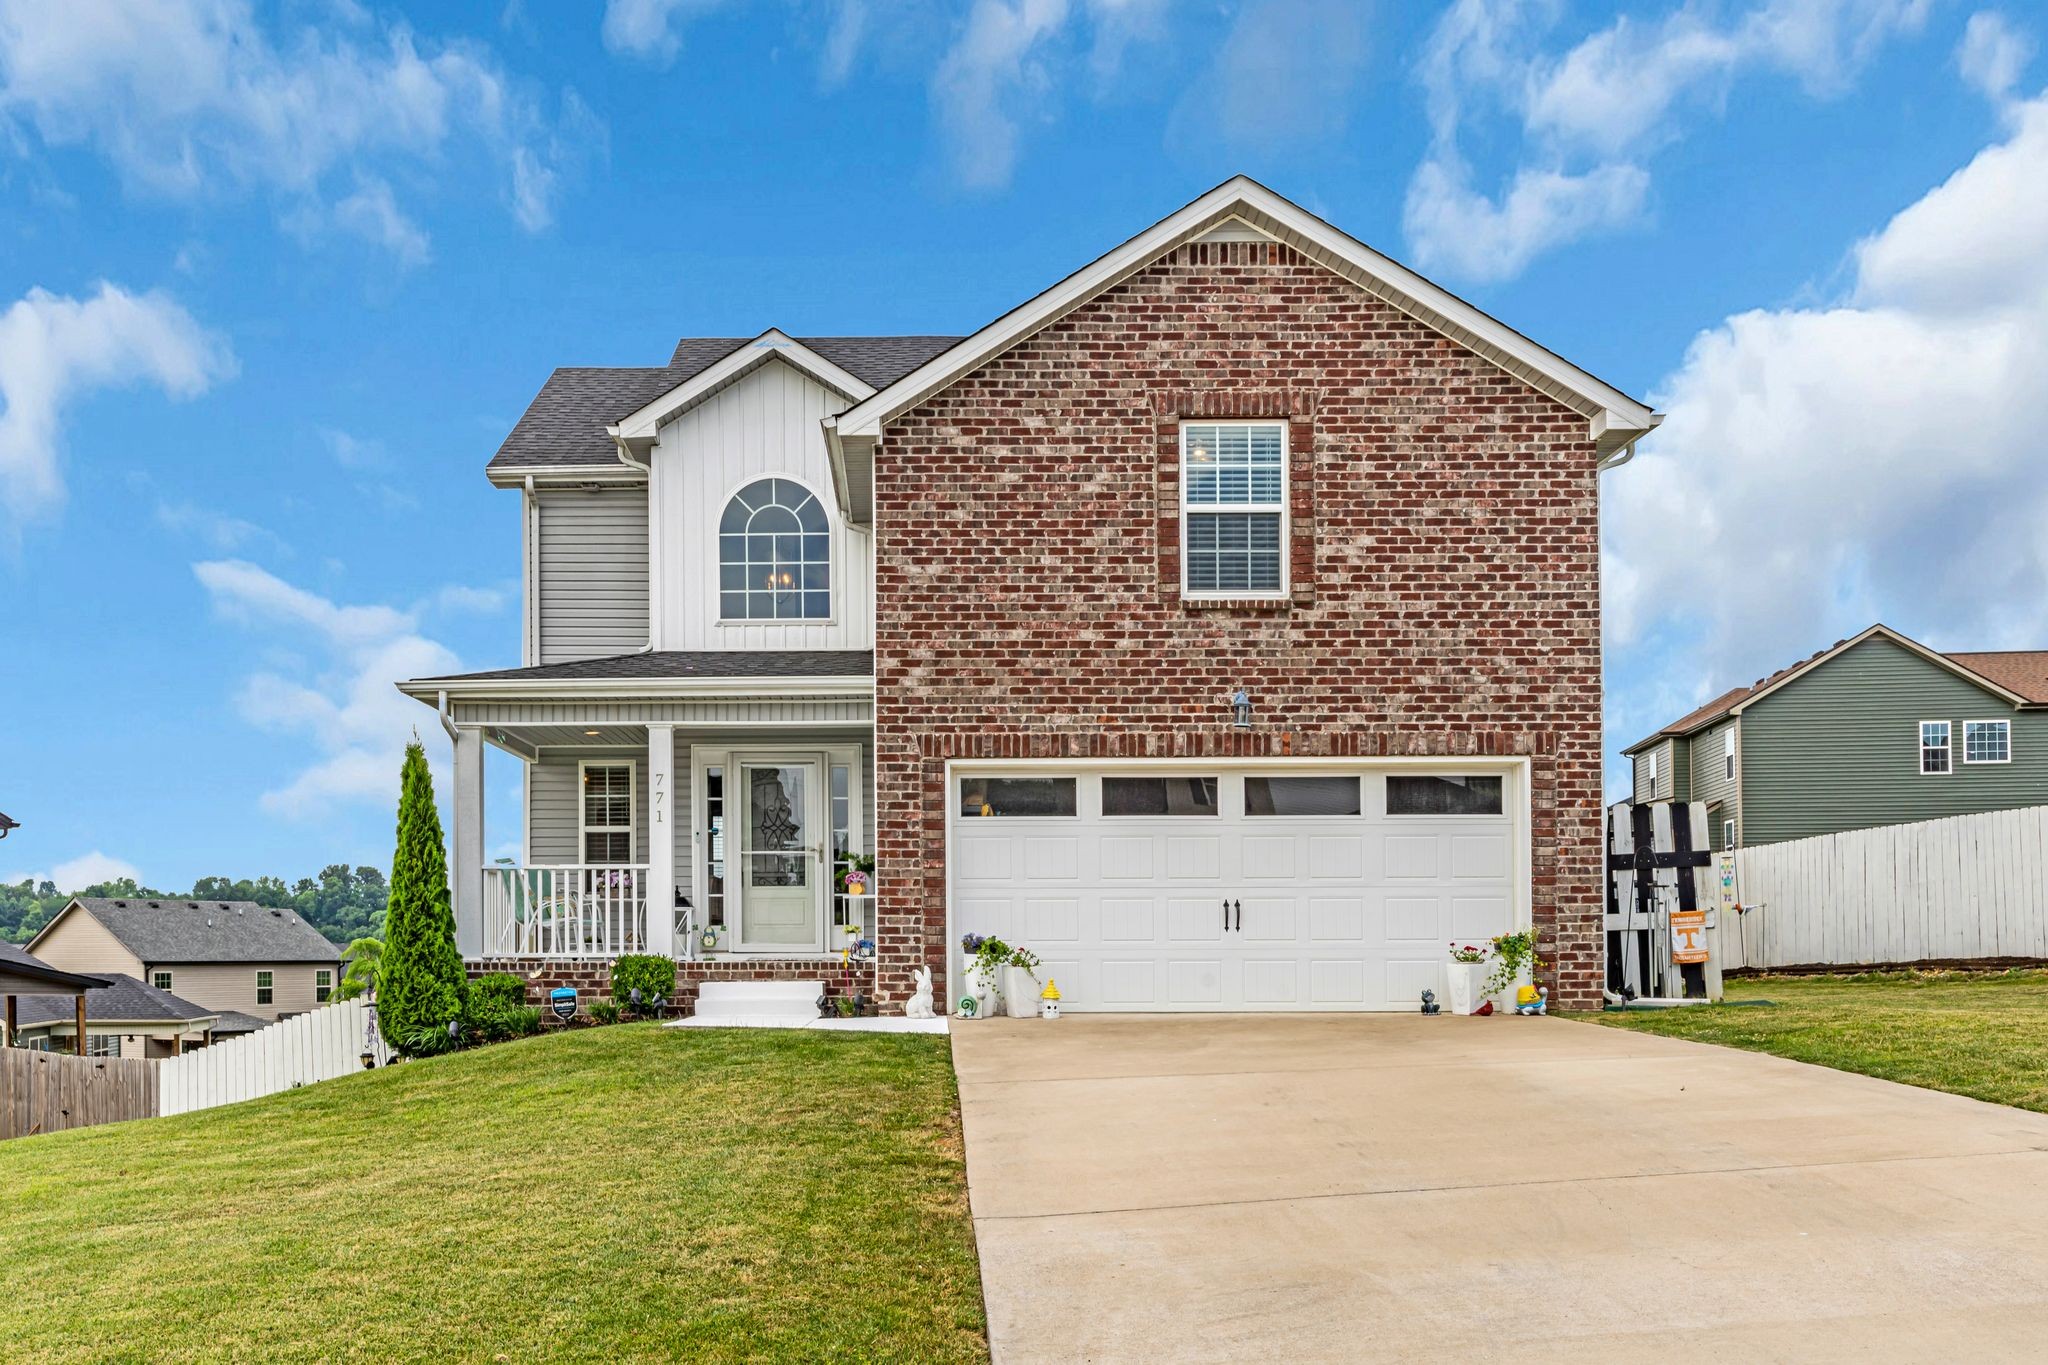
x,y
1233,509
1987,741
160,980
323,984
1727,834
264,993
608,813
774,554
1934,748
1653,767
1728,753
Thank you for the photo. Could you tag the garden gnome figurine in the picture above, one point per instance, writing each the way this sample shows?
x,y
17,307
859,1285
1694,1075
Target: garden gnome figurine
x,y
1049,1001
920,1006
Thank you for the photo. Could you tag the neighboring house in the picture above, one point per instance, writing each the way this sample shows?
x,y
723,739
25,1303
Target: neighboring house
x,y
225,956
25,978
124,1018
986,607
1875,730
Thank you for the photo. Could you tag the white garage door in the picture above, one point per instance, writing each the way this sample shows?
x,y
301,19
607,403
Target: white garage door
x,y
1261,889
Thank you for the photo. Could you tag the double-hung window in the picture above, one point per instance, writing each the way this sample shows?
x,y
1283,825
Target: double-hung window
x,y
265,993
1233,509
1934,748
1728,753
323,984
607,813
1987,741
160,980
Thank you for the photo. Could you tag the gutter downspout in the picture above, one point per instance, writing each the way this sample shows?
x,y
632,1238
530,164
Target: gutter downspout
x,y
446,716
626,458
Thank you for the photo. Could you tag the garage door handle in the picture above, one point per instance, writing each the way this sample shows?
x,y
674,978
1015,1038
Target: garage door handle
x,y
1240,915
1226,914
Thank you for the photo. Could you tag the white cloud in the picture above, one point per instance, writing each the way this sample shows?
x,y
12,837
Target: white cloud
x,y
1590,118
651,29
53,349
460,597
1992,54
1010,60
73,876
219,531
1874,459
186,97
344,706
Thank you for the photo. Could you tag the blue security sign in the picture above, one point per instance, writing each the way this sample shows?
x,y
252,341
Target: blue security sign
x,y
562,1000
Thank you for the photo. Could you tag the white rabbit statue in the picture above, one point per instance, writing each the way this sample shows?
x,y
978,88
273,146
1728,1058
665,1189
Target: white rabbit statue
x,y
920,1005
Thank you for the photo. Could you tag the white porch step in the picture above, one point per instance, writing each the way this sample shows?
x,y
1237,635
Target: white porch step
x,y
742,1000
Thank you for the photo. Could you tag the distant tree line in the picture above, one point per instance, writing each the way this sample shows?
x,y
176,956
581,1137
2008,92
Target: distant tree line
x,y
344,903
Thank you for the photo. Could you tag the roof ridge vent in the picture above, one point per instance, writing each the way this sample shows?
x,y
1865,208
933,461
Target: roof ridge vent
x,y
156,905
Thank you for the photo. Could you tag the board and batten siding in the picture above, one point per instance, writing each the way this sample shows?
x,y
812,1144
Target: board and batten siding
x,y
592,574
1707,762
1839,748
764,424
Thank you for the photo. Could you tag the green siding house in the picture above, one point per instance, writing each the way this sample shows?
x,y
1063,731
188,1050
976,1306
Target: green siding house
x,y
1877,730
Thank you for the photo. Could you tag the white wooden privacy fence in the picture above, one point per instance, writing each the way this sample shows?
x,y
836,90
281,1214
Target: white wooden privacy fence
x,y
1967,888
316,1046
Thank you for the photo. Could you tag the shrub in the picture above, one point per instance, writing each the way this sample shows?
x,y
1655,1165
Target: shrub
x,y
497,991
425,1041
522,1021
654,977
605,1011
420,981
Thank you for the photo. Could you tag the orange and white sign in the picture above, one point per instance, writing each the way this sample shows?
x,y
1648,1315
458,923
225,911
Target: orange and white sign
x,y
1688,936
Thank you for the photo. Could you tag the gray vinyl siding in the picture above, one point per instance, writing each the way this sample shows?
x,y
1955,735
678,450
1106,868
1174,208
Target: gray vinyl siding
x,y
1710,780
1645,789
592,573
1839,748
557,805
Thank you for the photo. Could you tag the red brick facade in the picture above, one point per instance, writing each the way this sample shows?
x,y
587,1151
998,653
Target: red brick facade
x,y
1444,563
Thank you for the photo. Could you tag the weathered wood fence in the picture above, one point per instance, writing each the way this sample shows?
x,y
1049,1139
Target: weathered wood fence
x,y
1971,888
47,1092
316,1046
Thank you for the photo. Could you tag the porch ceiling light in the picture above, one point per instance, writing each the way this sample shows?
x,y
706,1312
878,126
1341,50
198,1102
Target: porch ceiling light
x,y
590,732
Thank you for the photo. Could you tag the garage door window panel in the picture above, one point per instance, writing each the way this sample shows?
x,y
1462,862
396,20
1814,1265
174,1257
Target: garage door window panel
x,y
1301,796
1159,796
1444,794
1018,797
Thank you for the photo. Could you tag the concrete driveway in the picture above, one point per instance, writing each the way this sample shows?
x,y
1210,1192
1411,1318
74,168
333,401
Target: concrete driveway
x,y
1397,1188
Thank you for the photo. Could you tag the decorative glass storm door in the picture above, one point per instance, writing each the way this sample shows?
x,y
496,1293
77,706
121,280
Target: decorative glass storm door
x,y
782,881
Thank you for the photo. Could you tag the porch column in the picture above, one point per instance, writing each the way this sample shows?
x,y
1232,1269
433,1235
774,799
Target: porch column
x,y
661,840
468,872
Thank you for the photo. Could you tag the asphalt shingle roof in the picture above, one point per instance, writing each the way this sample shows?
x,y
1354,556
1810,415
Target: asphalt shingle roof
x,y
15,956
181,930
564,425
234,1021
124,999
667,664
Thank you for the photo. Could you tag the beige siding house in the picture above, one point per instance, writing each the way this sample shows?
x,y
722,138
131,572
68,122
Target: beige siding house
x,y
227,957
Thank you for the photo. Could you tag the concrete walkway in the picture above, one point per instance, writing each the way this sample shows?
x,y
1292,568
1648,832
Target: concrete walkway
x,y
1396,1188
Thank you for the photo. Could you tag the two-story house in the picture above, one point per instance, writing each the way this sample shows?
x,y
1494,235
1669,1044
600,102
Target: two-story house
x,y
1874,730
247,964
1221,623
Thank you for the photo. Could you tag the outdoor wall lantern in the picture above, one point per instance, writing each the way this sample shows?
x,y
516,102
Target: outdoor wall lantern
x,y
1241,710
7,823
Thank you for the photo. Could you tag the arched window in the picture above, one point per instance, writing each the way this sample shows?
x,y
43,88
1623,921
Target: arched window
x,y
774,554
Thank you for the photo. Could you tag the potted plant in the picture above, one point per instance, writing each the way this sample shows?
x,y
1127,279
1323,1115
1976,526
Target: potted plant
x,y
1514,964
1465,977
1020,984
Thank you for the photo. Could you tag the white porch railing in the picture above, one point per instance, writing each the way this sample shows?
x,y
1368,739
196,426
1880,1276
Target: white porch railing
x,y
571,910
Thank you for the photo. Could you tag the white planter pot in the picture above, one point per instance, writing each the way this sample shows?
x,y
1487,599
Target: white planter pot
x,y
1463,983
982,987
1020,993
1504,998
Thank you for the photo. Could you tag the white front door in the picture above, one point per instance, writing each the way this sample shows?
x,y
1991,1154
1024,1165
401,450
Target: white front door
x,y
781,815
1253,888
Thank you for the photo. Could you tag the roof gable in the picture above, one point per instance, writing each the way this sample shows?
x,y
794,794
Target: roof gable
x,y
638,429
1615,419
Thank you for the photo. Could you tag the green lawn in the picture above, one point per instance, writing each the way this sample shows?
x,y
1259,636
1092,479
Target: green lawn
x,y
1978,1034
628,1192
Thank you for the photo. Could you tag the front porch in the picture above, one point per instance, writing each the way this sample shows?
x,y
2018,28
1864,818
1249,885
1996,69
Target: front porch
x,y
709,823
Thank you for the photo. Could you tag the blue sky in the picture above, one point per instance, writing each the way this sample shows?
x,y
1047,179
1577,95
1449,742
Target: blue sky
x,y
275,281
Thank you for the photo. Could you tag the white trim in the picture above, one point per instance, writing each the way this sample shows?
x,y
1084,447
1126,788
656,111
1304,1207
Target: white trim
x,y
1285,589
1947,747
652,689
645,422
632,826
818,816
835,560
1987,762
566,475
1516,795
1614,418
1728,752
1884,632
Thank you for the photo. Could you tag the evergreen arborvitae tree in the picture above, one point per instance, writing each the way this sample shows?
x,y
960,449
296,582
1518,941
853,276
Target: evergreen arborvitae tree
x,y
420,981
